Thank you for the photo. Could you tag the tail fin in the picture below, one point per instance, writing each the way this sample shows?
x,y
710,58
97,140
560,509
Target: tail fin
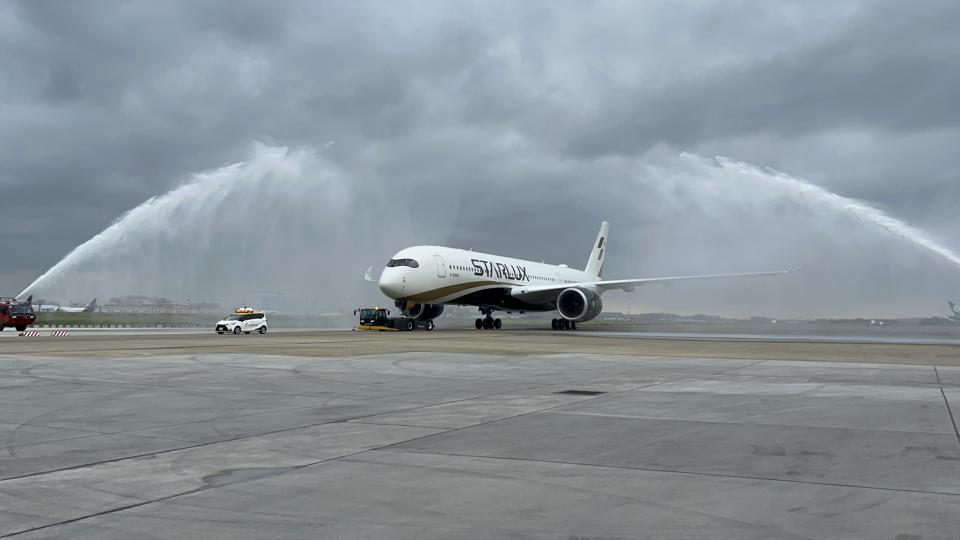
x,y
91,307
29,299
595,263
954,307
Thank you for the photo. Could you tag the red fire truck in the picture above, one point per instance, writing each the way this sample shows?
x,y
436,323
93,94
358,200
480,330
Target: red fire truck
x,y
16,314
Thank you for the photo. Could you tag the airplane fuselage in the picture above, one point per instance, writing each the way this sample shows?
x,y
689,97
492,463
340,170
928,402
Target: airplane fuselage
x,y
443,275
421,279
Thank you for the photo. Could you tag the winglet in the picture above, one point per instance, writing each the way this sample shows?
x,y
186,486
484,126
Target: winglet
x,y
367,275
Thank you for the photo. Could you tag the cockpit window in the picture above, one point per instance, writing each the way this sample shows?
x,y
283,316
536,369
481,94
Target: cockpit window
x,y
403,262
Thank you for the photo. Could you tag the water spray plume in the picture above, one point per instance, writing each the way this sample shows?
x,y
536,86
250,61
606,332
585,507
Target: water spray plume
x,y
293,222
858,210
270,222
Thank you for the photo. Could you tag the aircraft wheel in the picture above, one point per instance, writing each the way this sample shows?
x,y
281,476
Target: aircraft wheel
x,y
262,330
554,324
429,326
478,323
497,323
564,324
487,324
236,330
573,325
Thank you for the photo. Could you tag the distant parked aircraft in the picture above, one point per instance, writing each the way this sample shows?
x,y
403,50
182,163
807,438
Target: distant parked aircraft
x,y
48,308
956,311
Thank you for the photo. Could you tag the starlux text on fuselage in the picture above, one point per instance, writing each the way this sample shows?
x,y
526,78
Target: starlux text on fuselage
x,y
499,270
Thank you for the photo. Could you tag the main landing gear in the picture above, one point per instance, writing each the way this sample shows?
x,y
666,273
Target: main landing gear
x,y
563,324
487,322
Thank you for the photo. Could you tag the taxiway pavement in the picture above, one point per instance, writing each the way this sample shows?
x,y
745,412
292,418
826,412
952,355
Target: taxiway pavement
x,y
475,435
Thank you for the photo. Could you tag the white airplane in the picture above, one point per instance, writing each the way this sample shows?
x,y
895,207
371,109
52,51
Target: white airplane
x,y
422,279
89,308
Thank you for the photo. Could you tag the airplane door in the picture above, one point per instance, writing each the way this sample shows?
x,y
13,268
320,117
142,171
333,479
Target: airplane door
x,y
441,266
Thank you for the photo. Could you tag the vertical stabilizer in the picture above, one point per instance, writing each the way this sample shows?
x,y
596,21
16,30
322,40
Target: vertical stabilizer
x,y
956,310
595,263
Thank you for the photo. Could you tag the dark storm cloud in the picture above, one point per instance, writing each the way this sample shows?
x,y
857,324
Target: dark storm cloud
x,y
500,123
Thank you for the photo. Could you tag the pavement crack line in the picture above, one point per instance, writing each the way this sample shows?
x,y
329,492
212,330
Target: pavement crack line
x,y
741,423
254,435
299,467
947,403
206,488
738,368
546,409
169,497
389,448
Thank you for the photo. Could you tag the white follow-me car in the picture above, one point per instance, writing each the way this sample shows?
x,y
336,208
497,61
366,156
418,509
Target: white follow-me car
x,y
244,320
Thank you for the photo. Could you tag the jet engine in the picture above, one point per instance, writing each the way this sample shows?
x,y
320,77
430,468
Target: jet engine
x,y
576,304
423,312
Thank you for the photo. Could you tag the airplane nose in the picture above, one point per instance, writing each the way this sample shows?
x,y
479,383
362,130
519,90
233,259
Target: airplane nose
x,y
391,283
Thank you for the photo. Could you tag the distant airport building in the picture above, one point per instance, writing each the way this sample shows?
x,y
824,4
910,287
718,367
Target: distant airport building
x,y
149,304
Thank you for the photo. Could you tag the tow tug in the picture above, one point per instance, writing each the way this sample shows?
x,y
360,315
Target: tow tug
x,y
379,319
16,314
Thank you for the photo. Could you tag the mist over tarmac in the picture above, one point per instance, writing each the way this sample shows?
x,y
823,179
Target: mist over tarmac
x,y
284,148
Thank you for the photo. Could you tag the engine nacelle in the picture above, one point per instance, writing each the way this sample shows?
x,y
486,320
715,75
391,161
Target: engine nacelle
x,y
423,312
575,304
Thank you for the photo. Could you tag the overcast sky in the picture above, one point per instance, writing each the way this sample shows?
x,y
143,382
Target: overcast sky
x,y
512,127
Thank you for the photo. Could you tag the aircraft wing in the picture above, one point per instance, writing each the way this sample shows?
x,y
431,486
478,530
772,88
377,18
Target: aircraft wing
x,y
548,293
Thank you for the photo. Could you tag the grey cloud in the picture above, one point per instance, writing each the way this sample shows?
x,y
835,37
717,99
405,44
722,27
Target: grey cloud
x,y
892,69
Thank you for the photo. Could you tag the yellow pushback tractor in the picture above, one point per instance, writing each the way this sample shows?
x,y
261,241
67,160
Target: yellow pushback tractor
x,y
377,318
